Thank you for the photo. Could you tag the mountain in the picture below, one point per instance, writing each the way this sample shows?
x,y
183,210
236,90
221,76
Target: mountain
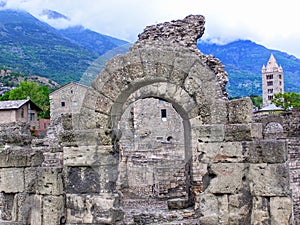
x,y
243,61
93,41
29,46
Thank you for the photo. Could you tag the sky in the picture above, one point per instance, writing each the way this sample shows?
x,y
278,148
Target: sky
x,y
274,24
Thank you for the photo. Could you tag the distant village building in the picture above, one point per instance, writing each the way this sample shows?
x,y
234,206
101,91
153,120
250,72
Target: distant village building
x,y
272,81
19,111
67,99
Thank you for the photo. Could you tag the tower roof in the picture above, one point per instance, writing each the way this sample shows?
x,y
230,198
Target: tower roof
x,y
272,64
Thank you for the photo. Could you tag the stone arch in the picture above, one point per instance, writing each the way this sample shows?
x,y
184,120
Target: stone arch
x,y
223,143
151,66
185,106
175,74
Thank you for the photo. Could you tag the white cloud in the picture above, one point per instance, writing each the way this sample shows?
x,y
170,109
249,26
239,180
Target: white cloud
x,y
268,22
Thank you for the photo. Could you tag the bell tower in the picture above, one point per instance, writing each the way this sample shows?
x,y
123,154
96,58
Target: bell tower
x,y
272,80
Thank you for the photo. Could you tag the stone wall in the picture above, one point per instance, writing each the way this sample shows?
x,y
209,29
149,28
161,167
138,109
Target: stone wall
x,y
239,185
287,126
29,192
16,133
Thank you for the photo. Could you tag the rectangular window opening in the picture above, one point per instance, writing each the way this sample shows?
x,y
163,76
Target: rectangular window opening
x,y
32,115
163,114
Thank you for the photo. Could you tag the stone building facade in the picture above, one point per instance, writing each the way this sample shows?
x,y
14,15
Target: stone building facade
x,y
233,172
272,80
67,99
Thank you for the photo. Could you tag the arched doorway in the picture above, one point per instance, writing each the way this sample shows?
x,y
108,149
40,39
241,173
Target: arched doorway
x,y
182,80
152,167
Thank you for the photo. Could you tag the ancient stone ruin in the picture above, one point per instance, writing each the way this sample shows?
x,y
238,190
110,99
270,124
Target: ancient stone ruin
x,y
226,168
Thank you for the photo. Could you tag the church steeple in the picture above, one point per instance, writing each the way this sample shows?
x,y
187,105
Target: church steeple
x,y
272,80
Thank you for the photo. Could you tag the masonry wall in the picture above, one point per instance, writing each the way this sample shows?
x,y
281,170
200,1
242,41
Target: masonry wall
x,y
287,125
31,192
238,184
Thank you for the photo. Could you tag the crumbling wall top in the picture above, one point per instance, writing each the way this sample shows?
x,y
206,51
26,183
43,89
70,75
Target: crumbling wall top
x,y
184,32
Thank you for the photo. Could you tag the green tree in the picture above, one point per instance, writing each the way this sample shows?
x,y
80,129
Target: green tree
x,y
38,94
287,100
257,101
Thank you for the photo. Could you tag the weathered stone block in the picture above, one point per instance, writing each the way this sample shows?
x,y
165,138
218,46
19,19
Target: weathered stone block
x,y
35,217
223,209
44,181
240,206
11,180
186,61
94,179
37,210
6,206
208,205
220,152
53,210
240,110
261,211
269,179
27,208
90,98
219,112
99,81
178,203
103,104
15,133
256,130
89,156
82,137
281,210
238,132
84,120
208,133
227,178
93,209
20,158
113,88
67,138
53,159
266,151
